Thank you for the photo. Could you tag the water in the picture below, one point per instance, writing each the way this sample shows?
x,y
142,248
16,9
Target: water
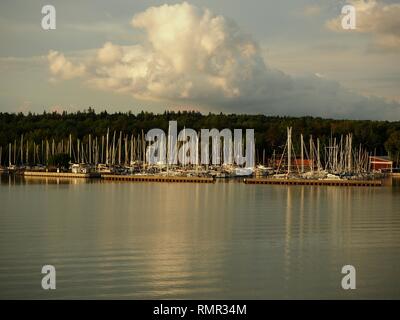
x,y
206,241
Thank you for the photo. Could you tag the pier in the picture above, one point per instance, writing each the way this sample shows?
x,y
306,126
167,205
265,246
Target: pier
x,y
44,174
182,179
314,182
149,178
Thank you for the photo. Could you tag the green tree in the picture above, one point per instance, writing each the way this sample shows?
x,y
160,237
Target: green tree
x,y
392,145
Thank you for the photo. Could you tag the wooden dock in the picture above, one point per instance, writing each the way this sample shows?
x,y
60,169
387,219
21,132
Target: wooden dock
x,y
315,182
68,175
139,178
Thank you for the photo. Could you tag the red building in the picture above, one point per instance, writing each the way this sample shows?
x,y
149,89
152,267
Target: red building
x,y
381,163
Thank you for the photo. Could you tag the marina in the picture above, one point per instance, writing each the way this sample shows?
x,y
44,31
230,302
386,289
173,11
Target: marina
x,y
143,158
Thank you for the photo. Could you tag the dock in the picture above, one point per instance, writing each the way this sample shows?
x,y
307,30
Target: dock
x,y
315,182
149,178
68,175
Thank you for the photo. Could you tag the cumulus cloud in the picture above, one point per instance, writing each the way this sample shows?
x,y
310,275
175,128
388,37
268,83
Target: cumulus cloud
x,y
190,55
109,54
380,19
61,67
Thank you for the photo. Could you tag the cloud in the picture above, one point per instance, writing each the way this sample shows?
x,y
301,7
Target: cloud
x,y
109,54
61,67
190,55
381,20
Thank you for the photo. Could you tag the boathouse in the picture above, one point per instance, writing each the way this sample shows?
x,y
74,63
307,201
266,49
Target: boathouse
x,y
381,164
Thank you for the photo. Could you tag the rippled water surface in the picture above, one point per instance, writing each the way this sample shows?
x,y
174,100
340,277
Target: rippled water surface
x,y
206,241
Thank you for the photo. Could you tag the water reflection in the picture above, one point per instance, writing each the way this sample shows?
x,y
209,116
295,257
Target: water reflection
x,y
223,240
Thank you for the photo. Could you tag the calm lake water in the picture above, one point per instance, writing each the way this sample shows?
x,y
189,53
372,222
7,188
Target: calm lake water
x,y
206,241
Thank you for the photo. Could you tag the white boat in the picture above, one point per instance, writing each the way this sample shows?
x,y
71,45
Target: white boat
x,y
243,172
332,177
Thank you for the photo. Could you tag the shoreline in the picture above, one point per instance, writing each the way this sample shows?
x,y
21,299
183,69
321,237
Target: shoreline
x,y
251,180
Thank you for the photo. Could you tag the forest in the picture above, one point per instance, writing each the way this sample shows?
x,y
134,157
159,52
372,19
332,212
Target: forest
x,y
378,137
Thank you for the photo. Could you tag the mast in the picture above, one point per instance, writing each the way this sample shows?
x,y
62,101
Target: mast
x,y
167,146
9,154
47,151
126,149
113,150
131,155
302,153
79,150
22,149
102,150
183,147
289,148
349,163
70,146
108,133
27,152
143,148
318,156
119,147
90,148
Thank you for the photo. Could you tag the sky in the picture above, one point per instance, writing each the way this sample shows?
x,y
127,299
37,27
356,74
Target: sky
x,y
288,57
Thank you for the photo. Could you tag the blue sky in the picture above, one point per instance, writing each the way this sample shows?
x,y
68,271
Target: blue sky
x,y
301,63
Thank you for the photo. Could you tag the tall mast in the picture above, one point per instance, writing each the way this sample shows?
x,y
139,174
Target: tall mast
x,y
22,149
302,153
27,152
119,147
79,150
349,154
70,146
102,150
143,148
90,148
108,133
318,156
131,155
289,148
